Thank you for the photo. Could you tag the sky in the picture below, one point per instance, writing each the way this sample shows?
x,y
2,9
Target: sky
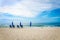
x,y
21,7
30,10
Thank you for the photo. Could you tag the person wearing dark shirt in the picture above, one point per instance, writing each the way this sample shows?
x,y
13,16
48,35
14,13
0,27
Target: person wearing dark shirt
x,y
21,25
30,24
13,25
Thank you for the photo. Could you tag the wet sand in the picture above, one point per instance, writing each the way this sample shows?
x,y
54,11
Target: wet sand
x,y
46,33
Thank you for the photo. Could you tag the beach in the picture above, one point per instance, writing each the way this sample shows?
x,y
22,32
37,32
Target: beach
x,y
35,33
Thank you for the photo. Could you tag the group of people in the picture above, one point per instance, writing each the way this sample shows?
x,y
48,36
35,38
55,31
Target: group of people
x,y
18,26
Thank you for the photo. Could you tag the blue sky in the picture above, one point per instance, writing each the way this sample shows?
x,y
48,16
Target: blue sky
x,y
37,11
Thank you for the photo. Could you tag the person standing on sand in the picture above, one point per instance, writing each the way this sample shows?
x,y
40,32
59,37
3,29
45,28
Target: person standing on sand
x,y
30,23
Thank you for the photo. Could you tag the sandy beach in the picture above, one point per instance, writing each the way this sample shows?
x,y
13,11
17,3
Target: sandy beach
x,y
45,33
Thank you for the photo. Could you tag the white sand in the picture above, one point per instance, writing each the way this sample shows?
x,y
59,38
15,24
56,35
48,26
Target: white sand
x,y
30,33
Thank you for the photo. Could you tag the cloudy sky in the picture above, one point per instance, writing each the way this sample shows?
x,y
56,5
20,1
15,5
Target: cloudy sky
x,y
33,9
25,8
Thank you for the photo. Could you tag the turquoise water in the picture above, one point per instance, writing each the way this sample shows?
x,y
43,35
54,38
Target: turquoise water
x,y
33,25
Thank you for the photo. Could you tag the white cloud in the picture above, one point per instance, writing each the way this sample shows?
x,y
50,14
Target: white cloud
x,y
26,8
